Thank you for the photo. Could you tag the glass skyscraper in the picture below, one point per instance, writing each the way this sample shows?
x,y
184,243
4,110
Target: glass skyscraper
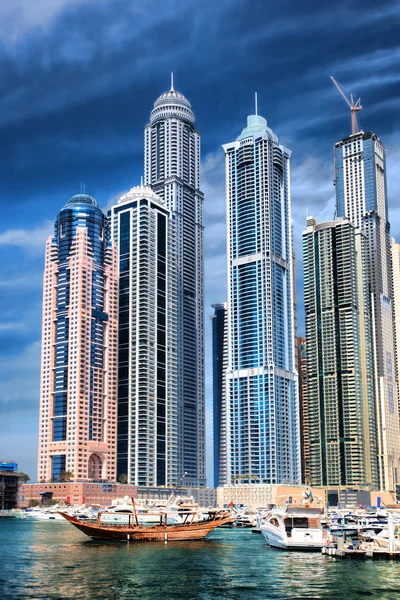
x,y
78,388
172,169
263,412
144,230
340,408
220,364
360,177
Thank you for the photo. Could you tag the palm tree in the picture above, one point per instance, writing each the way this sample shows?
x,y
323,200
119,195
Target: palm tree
x,y
123,478
65,476
24,477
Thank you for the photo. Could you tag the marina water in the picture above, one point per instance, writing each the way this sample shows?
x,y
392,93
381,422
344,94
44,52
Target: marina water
x,y
54,561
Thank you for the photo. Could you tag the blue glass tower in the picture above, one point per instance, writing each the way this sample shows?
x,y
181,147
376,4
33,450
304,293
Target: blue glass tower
x,y
263,428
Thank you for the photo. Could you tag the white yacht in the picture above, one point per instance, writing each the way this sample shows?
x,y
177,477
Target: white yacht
x,y
124,513
294,528
42,514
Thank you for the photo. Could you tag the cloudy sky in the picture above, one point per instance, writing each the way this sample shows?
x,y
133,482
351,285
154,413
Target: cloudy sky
x,y
78,79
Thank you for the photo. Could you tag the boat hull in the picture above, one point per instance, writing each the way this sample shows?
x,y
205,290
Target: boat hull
x,y
275,541
158,533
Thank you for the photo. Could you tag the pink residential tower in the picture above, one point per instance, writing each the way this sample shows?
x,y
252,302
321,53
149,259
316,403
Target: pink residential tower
x,y
78,392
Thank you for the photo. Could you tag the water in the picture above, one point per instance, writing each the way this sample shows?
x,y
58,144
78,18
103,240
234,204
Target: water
x,y
55,561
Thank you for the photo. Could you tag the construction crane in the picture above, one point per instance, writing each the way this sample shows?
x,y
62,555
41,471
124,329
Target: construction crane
x,y
354,106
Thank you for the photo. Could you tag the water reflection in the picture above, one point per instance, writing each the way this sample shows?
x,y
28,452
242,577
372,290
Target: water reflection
x,y
54,561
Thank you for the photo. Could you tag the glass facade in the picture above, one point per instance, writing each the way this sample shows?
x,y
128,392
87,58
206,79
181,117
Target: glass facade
x,y
261,378
147,377
220,364
361,196
172,169
341,444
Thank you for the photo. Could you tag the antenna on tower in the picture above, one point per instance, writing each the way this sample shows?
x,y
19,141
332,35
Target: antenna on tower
x,y
172,82
141,181
256,101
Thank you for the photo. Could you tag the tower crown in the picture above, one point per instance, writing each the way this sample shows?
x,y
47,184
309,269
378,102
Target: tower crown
x,y
82,199
172,104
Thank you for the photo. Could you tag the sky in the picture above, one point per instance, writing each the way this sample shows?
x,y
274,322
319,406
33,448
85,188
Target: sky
x,y
78,79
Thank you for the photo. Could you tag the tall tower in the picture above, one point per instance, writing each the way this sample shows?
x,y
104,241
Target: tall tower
x,y
144,230
301,364
340,399
78,388
220,364
172,169
360,174
395,252
261,377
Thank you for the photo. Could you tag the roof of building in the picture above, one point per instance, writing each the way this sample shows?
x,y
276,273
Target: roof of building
x,y
256,125
172,104
140,192
82,199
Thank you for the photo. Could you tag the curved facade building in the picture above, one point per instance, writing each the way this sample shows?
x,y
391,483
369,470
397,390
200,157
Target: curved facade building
x,y
172,169
261,380
77,429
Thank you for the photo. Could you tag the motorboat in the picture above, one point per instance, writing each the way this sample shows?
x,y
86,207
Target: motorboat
x,y
245,519
43,514
294,528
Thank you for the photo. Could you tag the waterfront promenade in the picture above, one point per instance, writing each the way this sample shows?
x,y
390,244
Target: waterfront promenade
x,y
54,561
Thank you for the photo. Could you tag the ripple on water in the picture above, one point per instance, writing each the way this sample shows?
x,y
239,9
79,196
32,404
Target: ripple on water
x,y
54,561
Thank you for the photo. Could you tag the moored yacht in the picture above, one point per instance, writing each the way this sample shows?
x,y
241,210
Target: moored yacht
x,y
294,528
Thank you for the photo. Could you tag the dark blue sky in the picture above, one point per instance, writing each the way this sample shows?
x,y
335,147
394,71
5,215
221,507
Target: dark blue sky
x,y
78,80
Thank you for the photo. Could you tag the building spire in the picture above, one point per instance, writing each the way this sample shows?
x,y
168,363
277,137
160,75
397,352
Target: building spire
x,y
256,102
172,82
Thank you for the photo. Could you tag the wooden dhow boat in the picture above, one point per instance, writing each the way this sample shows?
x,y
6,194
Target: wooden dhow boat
x,y
189,529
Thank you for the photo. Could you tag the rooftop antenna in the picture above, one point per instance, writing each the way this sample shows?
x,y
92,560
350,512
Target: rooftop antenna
x,y
354,105
141,181
172,82
256,101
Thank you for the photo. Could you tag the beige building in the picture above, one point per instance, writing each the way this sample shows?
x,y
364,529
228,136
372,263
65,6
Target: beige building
x,y
262,495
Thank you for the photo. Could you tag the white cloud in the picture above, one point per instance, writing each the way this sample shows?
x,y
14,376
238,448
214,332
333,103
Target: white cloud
x,y
12,326
31,279
20,17
29,239
19,379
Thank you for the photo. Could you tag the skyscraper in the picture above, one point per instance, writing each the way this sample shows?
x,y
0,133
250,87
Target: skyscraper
x,y
262,398
78,388
220,364
340,399
395,251
144,230
172,169
301,364
360,177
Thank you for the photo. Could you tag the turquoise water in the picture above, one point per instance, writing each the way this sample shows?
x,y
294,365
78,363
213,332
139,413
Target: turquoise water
x,y
56,561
